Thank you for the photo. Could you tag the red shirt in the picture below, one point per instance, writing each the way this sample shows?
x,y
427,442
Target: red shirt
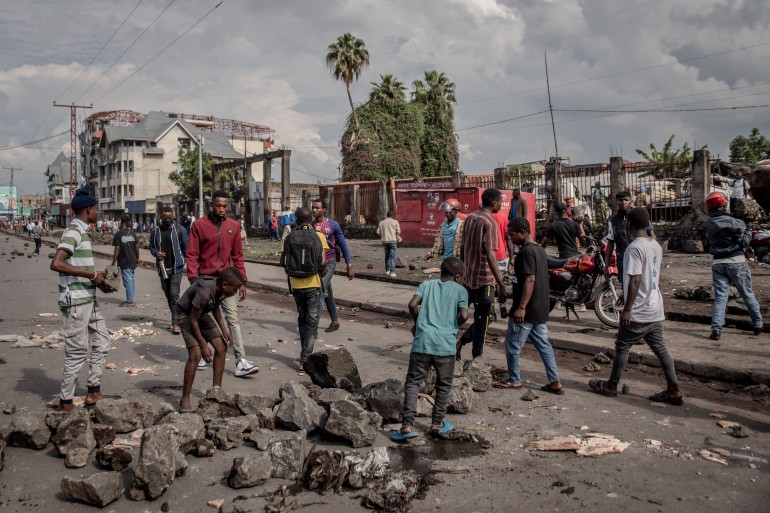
x,y
214,247
502,231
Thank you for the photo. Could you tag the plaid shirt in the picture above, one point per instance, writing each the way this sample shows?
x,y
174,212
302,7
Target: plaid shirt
x,y
438,243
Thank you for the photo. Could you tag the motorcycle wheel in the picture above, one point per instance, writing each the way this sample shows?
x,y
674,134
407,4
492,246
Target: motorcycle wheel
x,y
606,310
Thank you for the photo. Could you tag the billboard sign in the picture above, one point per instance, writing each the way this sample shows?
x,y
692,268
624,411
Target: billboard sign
x,y
9,200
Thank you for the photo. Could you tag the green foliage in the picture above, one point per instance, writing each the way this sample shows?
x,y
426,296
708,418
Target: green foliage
x,y
751,149
187,178
346,58
399,139
669,162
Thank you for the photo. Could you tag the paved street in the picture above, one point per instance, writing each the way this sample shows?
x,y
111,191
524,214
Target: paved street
x,y
646,477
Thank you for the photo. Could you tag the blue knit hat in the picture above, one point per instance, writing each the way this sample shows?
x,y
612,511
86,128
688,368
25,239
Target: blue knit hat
x,y
83,199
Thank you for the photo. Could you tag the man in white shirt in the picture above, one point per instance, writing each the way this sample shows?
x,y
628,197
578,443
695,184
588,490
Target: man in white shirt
x,y
642,316
738,188
390,234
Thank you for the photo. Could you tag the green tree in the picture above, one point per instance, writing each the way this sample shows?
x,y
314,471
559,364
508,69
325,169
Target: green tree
x,y
751,149
438,145
346,59
669,162
187,177
388,89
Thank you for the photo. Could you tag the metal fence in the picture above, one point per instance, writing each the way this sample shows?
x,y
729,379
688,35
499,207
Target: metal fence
x,y
663,189
369,203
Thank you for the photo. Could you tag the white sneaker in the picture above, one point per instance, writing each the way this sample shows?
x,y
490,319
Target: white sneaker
x,y
244,368
201,364
387,273
392,275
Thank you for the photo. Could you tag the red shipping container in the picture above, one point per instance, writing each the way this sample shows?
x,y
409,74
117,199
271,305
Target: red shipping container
x,y
418,207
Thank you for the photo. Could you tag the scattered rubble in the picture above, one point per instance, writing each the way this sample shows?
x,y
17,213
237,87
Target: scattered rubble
x,y
401,262
625,389
114,457
190,426
530,395
124,415
326,396
225,433
217,404
462,396
386,398
297,411
286,452
251,470
478,374
74,438
253,403
10,409
711,456
350,421
602,358
133,331
158,463
100,489
53,340
29,429
592,367
333,368
591,444
699,293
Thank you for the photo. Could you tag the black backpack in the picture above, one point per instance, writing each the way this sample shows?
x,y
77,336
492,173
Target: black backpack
x,y
303,253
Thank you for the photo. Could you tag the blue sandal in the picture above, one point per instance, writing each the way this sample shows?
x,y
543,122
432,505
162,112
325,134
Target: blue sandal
x,y
446,427
398,436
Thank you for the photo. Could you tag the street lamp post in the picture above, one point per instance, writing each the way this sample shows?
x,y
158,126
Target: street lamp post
x,y
200,177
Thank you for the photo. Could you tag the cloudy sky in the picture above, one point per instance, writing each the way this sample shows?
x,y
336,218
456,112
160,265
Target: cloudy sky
x,y
263,62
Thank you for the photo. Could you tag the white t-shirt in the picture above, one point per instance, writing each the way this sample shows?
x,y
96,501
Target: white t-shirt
x,y
642,258
737,188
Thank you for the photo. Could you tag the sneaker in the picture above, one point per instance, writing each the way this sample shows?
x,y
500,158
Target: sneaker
x,y
244,368
387,273
757,331
202,364
392,275
715,335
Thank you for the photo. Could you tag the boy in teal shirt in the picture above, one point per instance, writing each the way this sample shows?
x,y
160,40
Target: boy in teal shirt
x,y
438,308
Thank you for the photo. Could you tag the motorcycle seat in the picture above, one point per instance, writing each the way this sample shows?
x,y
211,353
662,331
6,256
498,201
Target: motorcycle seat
x,y
556,262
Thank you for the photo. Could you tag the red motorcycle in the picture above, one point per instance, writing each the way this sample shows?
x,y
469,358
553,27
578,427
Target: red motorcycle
x,y
580,280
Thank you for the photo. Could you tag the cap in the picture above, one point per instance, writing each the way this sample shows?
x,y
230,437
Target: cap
x,y
559,208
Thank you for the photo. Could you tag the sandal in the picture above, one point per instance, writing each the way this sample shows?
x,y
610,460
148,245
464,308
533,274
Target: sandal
x,y
332,327
444,427
597,385
398,436
551,389
661,397
508,384
301,370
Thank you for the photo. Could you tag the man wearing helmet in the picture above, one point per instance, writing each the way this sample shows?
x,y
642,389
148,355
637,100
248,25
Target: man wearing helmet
x,y
728,240
449,237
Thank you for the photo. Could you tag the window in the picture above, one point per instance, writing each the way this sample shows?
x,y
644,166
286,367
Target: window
x,y
130,166
184,143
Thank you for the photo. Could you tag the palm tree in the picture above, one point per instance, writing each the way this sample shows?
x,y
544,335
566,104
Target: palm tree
x,y
436,88
346,59
389,88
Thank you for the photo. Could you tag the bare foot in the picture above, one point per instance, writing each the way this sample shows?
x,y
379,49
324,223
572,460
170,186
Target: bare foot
x,y
92,398
185,406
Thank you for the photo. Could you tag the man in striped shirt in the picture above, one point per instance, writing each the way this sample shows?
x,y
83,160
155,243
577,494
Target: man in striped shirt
x,y
481,271
84,324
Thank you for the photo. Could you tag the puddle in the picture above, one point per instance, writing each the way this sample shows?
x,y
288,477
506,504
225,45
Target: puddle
x,y
420,454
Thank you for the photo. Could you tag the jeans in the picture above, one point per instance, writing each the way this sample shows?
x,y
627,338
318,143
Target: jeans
x,y
128,283
84,327
38,242
740,276
515,338
419,365
390,256
308,301
652,334
170,288
482,299
229,309
274,234
328,293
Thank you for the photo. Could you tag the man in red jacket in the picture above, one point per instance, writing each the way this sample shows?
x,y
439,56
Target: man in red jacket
x,y
215,244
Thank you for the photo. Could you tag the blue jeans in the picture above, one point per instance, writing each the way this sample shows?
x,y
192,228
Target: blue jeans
x,y
128,283
740,276
515,338
328,294
390,256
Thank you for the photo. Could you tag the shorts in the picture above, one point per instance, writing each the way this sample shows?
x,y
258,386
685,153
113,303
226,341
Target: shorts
x,y
207,324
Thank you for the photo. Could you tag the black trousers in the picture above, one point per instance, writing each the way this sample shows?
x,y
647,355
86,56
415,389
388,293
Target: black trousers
x,y
170,288
482,298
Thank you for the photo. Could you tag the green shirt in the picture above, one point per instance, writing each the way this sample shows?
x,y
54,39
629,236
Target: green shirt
x,y
75,290
436,326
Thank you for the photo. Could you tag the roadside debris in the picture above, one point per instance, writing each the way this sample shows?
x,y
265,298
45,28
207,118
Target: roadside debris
x,y
711,456
53,340
133,331
591,444
591,367
625,389
530,395
602,358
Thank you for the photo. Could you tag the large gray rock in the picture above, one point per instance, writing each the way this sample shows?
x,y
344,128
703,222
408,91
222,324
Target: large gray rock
x,y
225,433
297,410
29,430
333,368
74,438
287,452
692,246
157,465
124,415
266,418
190,426
326,396
251,470
252,404
205,448
104,435
114,457
53,419
478,374
401,262
98,490
350,421
163,410
262,438
386,398
217,404
462,396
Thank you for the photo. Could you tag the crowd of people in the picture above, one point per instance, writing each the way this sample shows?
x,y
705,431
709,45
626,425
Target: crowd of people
x,y
476,250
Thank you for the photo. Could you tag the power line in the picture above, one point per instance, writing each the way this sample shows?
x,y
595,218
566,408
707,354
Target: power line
x,y
663,110
99,52
127,49
33,142
502,121
140,68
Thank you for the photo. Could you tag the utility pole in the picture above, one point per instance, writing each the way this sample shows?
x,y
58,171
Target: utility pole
x,y
550,107
200,177
73,146
12,170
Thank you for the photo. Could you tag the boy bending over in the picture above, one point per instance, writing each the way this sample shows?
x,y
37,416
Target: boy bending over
x,y
196,306
438,308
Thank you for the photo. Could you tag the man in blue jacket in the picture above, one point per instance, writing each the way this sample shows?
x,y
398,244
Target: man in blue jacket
x,y
168,244
334,237
728,240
